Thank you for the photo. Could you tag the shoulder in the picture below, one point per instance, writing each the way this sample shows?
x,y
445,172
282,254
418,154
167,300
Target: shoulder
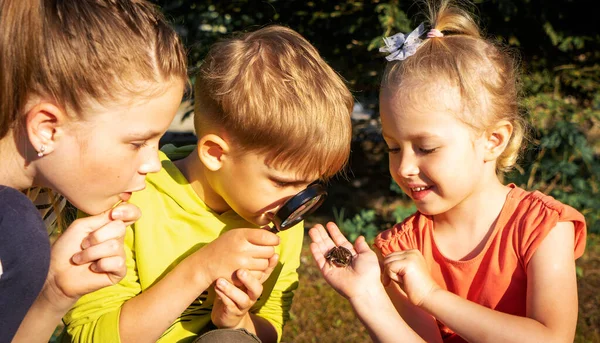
x,y
15,204
536,214
404,235
534,209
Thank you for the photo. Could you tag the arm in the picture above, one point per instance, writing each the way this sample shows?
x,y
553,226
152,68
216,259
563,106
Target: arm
x,y
551,300
360,283
551,296
272,313
89,255
145,317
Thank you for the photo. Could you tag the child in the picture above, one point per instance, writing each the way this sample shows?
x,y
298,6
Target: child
x,y
271,117
479,260
87,89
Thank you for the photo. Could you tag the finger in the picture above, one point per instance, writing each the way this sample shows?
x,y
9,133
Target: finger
x,y
318,255
267,273
339,238
126,212
232,296
113,230
321,238
253,286
227,302
262,252
361,246
114,265
395,270
262,237
109,248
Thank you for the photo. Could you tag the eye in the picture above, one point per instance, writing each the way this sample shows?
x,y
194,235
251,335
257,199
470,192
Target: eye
x,y
393,150
427,151
139,145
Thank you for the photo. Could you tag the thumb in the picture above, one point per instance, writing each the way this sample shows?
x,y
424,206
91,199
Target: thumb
x,y
361,246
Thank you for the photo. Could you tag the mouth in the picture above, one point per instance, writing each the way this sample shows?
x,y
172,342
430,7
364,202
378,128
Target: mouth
x,y
419,189
419,192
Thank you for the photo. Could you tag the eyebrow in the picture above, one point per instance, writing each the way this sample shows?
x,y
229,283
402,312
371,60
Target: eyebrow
x,y
144,135
421,135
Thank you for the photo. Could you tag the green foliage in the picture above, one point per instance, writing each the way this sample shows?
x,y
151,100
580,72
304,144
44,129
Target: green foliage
x,y
402,212
361,224
558,44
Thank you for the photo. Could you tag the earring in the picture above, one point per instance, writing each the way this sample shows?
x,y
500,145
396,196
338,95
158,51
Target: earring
x,y
42,150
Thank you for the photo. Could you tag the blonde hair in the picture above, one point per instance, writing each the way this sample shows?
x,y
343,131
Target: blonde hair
x,y
75,51
484,73
81,50
271,92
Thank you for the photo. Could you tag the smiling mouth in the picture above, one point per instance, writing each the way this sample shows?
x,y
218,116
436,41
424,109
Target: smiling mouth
x,y
418,189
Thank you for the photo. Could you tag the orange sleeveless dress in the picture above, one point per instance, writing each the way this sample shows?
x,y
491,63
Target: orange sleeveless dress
x,y
497,276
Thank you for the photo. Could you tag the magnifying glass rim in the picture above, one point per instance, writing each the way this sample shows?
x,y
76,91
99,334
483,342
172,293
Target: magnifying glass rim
x,y
290,206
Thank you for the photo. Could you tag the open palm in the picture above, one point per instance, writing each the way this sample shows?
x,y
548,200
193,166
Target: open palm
x,y
355,279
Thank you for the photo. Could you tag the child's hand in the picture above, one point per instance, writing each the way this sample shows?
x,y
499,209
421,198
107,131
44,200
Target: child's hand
x,y
409,270
358,278
230,309
89,255
250,249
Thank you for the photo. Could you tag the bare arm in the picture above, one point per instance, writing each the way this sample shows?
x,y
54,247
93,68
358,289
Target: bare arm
x,y
146,316
551,300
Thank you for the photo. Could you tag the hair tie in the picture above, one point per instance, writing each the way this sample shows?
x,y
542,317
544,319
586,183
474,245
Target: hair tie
x,y
434,33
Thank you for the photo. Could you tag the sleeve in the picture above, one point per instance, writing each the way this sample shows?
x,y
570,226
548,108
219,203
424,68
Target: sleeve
x,y
540,215
283,280
401,237
95,316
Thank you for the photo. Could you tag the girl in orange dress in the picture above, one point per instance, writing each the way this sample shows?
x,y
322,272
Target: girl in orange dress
x,y
479,261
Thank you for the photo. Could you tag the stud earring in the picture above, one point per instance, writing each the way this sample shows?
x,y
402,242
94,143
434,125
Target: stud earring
x,y
42,150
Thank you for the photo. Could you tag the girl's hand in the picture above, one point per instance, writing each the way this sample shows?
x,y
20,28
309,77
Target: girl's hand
x,y
89,255
409,270
360,277
230,309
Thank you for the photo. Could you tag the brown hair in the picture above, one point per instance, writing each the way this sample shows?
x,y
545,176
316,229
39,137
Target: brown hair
x,y
82,50
485,74
271,92
75,51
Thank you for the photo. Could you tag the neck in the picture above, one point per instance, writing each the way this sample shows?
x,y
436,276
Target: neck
x,y
196,173
15,170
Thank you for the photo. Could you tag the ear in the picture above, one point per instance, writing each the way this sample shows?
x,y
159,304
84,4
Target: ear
x,y
213,151
497,139
44,123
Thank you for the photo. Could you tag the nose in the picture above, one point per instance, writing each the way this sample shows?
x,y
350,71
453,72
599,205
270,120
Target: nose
x,y
151,163
408,164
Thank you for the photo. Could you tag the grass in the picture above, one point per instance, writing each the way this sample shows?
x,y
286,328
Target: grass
x,y
319,314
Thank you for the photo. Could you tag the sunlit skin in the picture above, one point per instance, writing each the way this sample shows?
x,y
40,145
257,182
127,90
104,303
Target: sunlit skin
x,y
242,182
95,160
108,154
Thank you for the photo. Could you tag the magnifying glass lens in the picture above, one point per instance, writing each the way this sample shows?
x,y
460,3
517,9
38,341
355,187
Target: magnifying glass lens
x,y
298,206
302,210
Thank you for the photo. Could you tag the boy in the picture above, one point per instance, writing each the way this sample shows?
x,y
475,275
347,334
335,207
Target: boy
x,y
271,117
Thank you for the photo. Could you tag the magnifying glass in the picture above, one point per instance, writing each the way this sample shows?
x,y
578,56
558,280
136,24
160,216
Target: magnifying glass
x,y
297,207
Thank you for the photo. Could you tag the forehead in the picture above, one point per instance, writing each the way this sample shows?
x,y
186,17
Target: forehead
x,y
135,114
418,109
260,162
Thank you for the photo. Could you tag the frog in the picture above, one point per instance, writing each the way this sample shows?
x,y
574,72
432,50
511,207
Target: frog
x,y
339,257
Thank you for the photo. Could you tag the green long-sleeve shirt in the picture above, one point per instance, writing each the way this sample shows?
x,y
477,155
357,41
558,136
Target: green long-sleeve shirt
x,y
175,222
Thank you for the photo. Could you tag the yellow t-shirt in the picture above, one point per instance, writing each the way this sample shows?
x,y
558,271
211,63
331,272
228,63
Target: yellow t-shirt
x,y
175,222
